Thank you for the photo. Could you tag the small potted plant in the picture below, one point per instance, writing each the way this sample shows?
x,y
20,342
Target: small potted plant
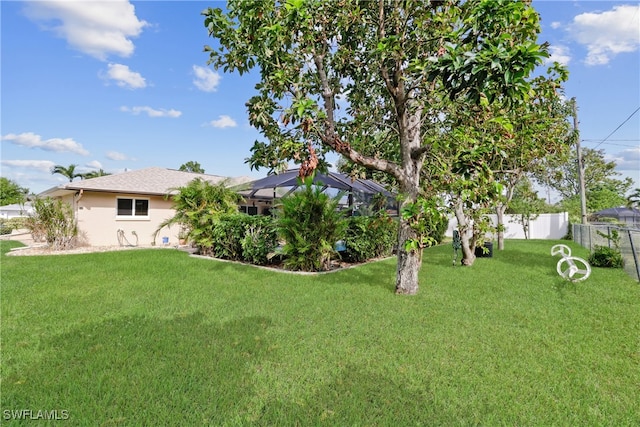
x,y
183,236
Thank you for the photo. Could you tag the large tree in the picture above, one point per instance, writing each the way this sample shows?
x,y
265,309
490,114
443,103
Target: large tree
x,y
95,174
539,131
344,75
191,166
562,176
11,192
68,172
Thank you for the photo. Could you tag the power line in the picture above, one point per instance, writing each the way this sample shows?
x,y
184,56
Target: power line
x,y
616,129
611,140
588,141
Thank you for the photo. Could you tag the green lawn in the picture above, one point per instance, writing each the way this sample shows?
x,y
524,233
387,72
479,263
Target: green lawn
x,y
154,337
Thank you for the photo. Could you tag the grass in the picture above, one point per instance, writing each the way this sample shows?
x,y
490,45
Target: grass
x,y
154,337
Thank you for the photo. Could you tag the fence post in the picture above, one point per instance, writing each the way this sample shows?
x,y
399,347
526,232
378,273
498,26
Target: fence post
x,y
635,255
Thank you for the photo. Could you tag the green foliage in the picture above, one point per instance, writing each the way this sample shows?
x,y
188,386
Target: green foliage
x,y
310,224
633,199
370,237
599,175
53,221
260,240
604,256
95,174
68,172
191,166
8,225
198,207
240,237
395,68
427,220
11,192
525,205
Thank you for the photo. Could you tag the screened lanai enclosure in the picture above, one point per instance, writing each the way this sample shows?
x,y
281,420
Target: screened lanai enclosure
x,y
358,194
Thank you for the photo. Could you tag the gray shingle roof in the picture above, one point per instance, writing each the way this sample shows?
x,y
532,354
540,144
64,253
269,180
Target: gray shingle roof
x,y
153,180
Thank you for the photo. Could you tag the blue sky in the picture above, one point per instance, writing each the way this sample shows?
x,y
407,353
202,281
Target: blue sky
x,y
125,85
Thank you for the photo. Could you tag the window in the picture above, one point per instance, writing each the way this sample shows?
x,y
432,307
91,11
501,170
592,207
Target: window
x,y
249,210
133,208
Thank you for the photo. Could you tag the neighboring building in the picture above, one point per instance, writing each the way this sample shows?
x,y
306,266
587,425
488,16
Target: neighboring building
x,y
15,210
627,216
127,208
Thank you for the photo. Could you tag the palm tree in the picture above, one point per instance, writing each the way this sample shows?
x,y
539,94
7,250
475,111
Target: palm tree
x,y
633,200
94,174
69,171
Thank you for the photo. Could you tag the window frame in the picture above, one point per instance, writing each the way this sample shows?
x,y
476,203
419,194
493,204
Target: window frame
x,y
133,216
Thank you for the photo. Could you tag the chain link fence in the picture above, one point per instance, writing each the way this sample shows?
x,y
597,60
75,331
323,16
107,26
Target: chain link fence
x,y
590,236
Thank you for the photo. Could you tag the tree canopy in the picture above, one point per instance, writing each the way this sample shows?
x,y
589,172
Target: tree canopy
x,y
191,166
11,192
68,172
369,80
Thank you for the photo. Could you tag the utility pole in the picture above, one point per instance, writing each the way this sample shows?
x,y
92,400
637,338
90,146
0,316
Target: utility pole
x,y
583,197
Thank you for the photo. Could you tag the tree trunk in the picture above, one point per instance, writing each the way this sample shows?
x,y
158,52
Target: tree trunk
x,y
466,235
409,262
500,209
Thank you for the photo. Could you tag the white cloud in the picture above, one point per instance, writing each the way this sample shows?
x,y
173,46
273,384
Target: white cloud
x,y
97,28
94,164
626,160
607,34
555,25
114,155
152,112
124,77
206,80
39,165
559,54
222,122
31,140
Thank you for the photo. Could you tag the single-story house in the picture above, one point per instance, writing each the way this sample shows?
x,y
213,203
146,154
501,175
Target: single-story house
x,y
15,210
628,216
127,208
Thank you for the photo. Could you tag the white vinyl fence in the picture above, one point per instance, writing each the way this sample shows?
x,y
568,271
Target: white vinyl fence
x,y
546,226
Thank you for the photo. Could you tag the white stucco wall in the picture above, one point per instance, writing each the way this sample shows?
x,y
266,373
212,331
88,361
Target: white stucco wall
x,y
99,225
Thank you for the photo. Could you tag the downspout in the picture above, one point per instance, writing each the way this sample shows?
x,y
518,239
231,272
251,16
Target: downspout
x,y
76,199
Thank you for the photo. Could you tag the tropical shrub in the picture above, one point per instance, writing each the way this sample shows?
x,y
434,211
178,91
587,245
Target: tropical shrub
x,y
260,240
370,237
5,228
310,224
53,220
16,223
603,256
198,207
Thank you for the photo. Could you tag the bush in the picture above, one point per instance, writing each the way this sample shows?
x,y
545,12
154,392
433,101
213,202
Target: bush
x,y
53,220
370,237
260,240
239,237
198,206
5,229
16,223
310,224
227,235
604,256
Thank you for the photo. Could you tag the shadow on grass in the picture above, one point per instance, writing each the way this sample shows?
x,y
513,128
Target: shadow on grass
x,y
361,397
141,371
374,273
